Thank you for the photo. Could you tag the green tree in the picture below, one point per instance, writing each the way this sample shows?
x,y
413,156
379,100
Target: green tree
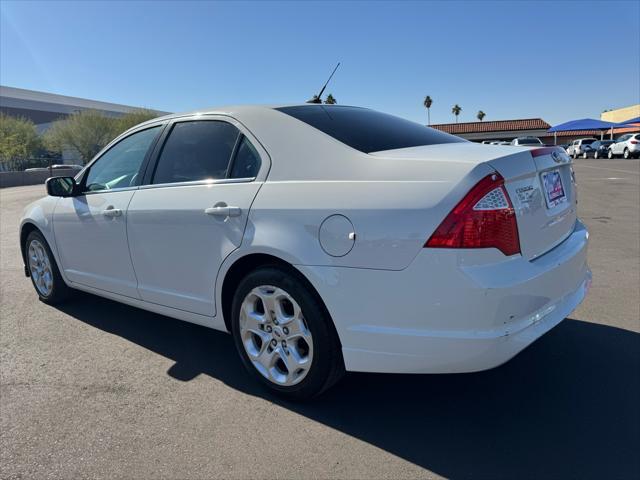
x,y
481,115
18,141
428,101
331,100
88,131
132,119
456,109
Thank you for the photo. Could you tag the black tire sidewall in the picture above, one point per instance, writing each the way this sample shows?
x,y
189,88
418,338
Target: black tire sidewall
x,y
326,349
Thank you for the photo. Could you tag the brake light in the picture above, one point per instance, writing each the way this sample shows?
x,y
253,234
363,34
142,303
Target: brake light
x,y
484,218
635,142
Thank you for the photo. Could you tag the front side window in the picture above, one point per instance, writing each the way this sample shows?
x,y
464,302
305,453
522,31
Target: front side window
x,y
119,166
198,150
247,161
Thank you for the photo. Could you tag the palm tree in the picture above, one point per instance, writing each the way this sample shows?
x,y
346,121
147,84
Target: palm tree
x,y
331,100
427,104
456,111
481,115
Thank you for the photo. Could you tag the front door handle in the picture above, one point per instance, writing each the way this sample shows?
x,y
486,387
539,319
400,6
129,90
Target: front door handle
x,y
110,211
223,211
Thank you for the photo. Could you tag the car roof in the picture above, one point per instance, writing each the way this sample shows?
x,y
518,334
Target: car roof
x,y
241,110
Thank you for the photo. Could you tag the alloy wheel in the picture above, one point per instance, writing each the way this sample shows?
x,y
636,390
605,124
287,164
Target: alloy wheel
x,y
40,268
275,335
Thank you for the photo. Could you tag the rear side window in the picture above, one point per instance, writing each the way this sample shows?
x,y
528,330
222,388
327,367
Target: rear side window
x,y
367,130
246,162
198,150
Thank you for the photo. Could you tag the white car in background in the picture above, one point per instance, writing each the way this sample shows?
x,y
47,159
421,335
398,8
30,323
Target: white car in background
x,y
527,142
627,145
580,146
324,238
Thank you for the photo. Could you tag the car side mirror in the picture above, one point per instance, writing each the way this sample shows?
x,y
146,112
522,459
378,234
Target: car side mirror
x,y
61,186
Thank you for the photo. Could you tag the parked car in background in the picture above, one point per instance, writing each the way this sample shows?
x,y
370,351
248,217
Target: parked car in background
x,y
579,146
527,142
598,149
627,145
324,238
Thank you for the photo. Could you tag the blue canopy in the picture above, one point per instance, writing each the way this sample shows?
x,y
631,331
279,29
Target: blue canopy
x,y
633,120
582,124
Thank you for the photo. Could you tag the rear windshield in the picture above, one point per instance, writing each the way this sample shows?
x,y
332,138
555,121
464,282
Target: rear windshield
x,y
367,130
529,141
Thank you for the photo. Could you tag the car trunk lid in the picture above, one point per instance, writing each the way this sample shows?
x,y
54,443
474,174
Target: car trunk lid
x,y
539,182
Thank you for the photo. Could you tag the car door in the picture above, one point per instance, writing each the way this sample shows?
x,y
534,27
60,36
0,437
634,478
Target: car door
x,y
621,144
90,228
193,211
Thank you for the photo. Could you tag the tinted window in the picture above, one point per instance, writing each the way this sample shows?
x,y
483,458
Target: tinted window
x,y
198,150
529,141
367,130
247,161
119,166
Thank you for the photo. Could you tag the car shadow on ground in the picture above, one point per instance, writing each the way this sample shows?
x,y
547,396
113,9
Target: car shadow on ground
x,y
567,407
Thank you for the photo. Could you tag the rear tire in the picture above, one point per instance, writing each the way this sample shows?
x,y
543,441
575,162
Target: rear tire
x,y
43,270
610,155
595,155
283,334
584,155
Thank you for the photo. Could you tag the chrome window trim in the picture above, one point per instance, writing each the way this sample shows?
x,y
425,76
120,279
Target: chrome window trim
x,y
220,181
108,190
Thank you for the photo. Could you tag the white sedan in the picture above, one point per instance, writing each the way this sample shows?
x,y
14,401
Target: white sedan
x,y
324,238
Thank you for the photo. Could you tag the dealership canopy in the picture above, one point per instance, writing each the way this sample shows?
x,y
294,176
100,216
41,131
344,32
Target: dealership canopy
x,y
585,124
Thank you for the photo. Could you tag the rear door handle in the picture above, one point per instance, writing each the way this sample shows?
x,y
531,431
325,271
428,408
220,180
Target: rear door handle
x,y
110,211
223,211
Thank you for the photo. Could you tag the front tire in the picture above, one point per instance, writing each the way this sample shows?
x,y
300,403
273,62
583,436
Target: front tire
x,y
595,155
44,271
626,154
610,155
284,335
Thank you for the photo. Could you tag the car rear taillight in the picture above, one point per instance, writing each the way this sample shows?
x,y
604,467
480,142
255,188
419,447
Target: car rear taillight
x,y
484,218
635,142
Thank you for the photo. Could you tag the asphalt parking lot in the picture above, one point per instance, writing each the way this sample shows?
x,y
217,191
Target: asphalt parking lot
x,y
98,389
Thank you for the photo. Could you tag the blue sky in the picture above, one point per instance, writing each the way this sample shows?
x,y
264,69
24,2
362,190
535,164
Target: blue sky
x,y
510,59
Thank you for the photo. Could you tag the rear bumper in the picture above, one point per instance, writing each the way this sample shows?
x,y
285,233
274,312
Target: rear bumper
x,y
452,311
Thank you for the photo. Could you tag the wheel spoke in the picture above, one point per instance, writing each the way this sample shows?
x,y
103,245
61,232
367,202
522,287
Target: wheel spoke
x,y
297,328
266,357
252,319
287,360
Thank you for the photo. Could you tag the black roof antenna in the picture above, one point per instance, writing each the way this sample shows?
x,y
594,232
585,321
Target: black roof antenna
x,y
318,98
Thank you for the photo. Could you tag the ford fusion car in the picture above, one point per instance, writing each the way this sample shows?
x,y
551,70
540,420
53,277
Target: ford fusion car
x,y
324,238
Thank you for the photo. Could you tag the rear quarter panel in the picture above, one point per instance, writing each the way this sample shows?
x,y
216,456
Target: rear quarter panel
x,y
392,219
